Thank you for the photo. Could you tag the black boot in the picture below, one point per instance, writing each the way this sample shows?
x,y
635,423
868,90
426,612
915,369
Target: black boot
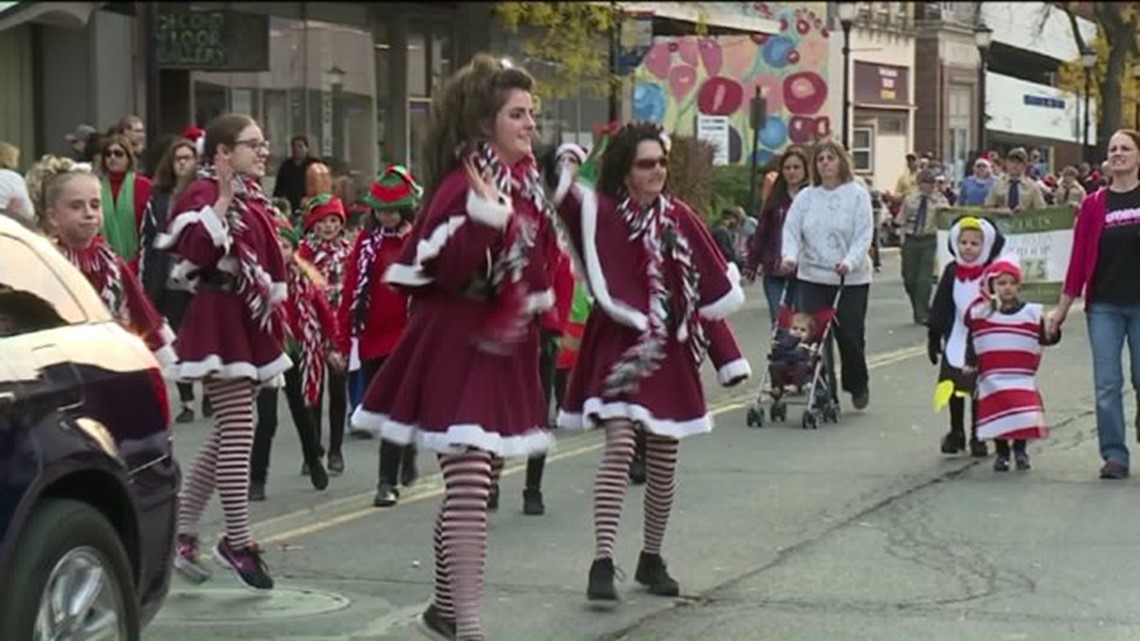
x,y
386,495
601,586
532,502
652,573
436,623
408,471
493,499
978,448
953,442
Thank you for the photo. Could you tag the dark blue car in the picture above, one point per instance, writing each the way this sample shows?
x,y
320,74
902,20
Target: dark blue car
x,y
88,483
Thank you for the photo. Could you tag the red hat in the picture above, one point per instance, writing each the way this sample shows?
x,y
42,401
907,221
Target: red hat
x,y
321,207
1005,264
196,135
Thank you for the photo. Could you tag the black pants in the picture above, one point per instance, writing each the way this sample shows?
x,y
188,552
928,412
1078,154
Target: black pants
x,y
547,360
392,455
337,384
849,331
1002,446
185,392
958,416
267,425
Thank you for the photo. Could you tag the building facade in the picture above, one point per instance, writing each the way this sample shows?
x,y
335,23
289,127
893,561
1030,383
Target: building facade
x,y
882,91
1024,108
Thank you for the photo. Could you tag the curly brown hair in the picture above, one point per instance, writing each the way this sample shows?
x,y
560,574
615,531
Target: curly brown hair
x,y
465,113
617,159
164,177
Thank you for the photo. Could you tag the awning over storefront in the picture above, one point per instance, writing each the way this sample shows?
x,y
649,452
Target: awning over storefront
x,y
61,14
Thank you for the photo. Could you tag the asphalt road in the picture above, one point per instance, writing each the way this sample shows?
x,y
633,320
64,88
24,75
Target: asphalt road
x,y
860,530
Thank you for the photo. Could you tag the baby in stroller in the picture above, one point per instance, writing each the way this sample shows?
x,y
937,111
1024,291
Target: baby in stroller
x,y
790,363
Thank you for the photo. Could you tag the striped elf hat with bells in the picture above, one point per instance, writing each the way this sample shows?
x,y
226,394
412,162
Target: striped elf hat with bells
x,y
394,189
321,207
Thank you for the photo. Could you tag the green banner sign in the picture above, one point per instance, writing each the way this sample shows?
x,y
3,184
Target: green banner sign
x,y
1041,238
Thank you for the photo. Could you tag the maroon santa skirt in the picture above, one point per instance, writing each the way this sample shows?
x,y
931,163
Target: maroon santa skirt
x,y
437,389
218,339
669,402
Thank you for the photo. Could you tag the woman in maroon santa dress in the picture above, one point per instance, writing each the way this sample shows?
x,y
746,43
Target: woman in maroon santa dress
x,y
463,380
662,291
224,241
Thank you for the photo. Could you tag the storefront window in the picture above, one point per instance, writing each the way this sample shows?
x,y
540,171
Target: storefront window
x,y
322,83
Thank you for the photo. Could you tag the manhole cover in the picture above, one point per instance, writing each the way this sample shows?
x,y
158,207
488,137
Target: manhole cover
x,y
235,605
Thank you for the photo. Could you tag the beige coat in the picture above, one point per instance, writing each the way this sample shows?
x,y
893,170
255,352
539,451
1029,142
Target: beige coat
x,y
1029,194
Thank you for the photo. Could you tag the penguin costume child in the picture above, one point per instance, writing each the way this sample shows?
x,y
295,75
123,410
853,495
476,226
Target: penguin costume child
x,y
947,332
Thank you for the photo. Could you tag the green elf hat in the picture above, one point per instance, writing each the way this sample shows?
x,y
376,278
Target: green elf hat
x,y
394,190
287,230
321,207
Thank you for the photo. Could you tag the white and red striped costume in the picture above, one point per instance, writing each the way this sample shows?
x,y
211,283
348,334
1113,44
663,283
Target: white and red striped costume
x,y
1008,346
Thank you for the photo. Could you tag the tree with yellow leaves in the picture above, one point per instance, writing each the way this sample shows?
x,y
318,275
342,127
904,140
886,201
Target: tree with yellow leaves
x,y
1113,83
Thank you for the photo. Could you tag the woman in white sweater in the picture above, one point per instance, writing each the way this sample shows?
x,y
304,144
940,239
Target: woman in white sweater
x,y
827,237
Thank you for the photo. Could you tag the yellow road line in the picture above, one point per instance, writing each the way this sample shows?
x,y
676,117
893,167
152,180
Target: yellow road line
x,y
432,486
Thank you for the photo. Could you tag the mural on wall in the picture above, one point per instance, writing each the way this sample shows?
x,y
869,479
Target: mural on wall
x,y
683,77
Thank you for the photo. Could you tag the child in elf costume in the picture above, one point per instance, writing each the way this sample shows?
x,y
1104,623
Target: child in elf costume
x,y
974,244
1006,335
312,344
67,205
326,246
372,314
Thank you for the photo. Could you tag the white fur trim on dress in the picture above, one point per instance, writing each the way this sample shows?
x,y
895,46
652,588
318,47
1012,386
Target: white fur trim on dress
x,y
208,218
165,355
728,303
596,411
426,249
539,302
456,439
213,367
490,213
565,182
595,277
734,372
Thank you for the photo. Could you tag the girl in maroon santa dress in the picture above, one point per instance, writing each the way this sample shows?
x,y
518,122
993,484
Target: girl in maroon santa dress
x,y
70,210
224,241
661,289
373,313
463,380
326,246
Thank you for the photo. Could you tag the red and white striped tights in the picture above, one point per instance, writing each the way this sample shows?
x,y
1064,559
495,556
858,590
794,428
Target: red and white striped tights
x,y
461,541
223,462
613,478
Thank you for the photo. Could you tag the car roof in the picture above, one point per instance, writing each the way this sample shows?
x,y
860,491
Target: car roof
x,y
84,294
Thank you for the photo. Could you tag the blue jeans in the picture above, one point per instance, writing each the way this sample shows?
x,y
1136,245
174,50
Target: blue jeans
x,y
773,288
1109,325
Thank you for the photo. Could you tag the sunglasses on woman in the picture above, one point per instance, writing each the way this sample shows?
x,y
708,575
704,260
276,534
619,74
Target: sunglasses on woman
x,y
114,153
651,163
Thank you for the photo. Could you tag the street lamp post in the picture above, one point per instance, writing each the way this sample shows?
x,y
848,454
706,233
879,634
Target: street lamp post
x,y
983,36
1088,61
847,11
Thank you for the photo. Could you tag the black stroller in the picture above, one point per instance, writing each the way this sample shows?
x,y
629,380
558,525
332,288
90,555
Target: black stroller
x,y
811,383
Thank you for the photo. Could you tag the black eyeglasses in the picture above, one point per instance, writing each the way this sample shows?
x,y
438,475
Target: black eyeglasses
x,y
114,153
651,163
256,145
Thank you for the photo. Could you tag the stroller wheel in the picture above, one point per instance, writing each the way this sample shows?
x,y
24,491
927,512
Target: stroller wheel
x,y
756,417
810,421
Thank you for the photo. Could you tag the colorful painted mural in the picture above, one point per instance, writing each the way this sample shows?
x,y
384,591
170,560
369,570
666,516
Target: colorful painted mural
x,y
682,77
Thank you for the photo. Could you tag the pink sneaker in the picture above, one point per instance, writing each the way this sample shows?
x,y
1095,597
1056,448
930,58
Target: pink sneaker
x,y
187,561
246,564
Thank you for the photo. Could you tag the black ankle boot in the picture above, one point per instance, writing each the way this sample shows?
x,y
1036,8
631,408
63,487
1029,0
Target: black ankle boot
x,y
601,586
651,573
532,502
953,442
978,449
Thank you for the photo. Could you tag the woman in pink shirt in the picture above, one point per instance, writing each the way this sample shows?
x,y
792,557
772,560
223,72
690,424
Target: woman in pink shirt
x,y
1103,266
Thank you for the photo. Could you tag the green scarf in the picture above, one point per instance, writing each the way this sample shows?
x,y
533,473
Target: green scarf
x,y
119,225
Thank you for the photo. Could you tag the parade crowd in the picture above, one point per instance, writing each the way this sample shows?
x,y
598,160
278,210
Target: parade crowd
x,y
507,290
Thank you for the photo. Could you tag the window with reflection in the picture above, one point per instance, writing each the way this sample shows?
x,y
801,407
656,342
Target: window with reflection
x,y
32,296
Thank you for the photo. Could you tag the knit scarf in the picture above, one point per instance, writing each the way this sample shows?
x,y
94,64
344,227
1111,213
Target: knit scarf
x,y
365,261
254,284
329,257
99,263
119,225
302,291
657,230
506,324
